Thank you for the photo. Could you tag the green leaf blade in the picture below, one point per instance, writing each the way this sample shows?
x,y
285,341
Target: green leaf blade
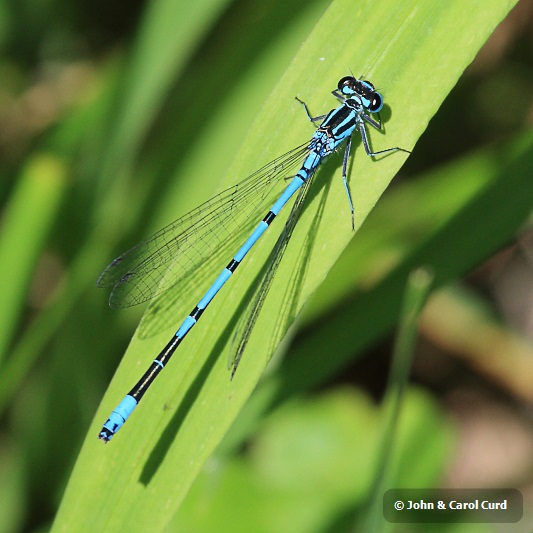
x,y
139,480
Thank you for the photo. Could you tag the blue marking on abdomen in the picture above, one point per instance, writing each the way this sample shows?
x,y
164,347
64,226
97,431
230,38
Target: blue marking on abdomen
x,y
120,414
293,186
217,285
252,239
188,323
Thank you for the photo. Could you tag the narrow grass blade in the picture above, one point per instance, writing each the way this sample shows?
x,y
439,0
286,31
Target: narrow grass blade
x,y
416,293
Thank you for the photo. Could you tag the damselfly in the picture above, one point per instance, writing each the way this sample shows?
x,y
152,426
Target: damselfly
x,y
178,250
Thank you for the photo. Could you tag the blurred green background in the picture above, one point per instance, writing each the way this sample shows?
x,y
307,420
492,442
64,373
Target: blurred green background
x,y
92,149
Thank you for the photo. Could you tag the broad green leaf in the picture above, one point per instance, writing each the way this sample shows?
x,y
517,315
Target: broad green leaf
x,y
139,480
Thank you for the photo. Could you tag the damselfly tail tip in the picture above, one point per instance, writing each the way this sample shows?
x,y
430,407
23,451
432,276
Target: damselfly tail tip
x,y
105,435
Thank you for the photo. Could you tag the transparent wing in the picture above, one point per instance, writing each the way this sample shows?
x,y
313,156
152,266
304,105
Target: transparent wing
x,y
187,245
249,317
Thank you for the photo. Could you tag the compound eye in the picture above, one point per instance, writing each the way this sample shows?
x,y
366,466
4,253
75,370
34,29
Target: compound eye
x,y
346,85
368,85
376,104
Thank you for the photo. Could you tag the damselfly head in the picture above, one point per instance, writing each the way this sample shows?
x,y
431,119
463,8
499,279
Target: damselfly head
x,y
370,98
